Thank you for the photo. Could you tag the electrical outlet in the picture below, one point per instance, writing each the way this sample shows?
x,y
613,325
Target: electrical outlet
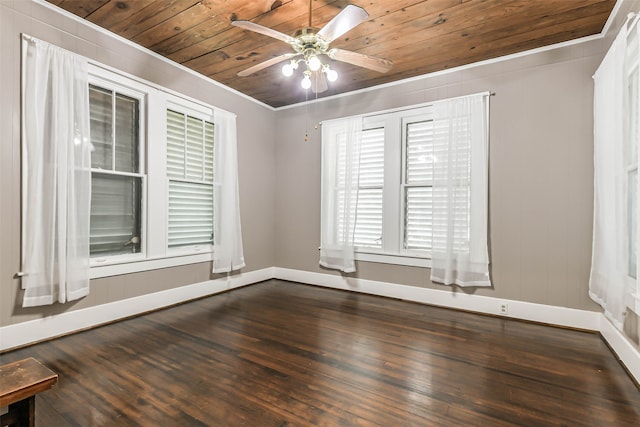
x,y
504,309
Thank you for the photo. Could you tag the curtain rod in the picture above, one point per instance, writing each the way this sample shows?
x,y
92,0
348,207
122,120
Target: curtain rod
x,y
408,107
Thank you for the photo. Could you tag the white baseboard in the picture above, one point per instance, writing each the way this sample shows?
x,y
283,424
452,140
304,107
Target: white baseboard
x,y
21,334
626,352
561,316
552,315
24,333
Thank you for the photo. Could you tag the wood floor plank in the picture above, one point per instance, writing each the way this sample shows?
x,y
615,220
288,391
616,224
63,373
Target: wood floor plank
x,y
287,354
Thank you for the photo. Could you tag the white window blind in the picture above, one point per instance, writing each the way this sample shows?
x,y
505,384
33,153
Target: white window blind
x,y
368,212
426,154
116,181
368,229
190,173
418,185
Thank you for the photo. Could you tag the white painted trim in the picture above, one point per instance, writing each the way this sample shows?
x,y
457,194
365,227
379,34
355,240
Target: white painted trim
x,y
49,327
157,56
135,266
552,315
611,18
448,71
101,30
396,259
622,347
32,331
560,316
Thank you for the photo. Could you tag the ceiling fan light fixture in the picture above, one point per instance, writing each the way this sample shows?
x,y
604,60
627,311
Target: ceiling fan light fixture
x,y
306,81
287,69
332,75
314,63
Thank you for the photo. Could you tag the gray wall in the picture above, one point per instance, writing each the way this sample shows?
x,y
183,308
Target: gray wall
x,y
541,173
256,156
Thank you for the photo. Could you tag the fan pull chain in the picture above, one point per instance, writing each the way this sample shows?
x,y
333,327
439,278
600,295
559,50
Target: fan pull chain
x,y
306,120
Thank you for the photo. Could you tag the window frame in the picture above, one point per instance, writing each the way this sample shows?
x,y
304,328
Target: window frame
x,y
120,85
393,210
631,148
155,253
375,127
394,122
206,114
421,115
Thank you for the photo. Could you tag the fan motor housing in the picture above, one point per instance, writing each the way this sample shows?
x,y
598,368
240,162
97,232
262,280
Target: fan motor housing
x,y
308,39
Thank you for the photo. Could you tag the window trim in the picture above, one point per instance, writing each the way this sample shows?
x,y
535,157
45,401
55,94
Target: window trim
x,y
386,258
115,268
119,84
206,114
424,114
155,253
393,226
396,224
633,56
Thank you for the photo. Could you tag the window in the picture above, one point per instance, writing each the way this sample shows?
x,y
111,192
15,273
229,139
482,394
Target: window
x,y
418,184
152,202
190,175
394,197
396,160
151,180
404,177
117,181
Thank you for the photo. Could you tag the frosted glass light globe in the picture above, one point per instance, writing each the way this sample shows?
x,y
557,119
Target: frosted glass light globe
x,y
332,75
287,70
314,63
306,82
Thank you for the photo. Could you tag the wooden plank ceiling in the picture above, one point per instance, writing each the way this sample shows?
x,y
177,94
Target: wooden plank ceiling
x,y
419,36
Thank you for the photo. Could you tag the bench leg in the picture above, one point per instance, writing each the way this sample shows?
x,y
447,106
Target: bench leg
x,y
20,414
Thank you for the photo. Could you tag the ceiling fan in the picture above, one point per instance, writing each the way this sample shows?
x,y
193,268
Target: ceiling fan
x,y
309,44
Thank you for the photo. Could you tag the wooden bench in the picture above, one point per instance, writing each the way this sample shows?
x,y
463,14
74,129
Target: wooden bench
x,y
19,383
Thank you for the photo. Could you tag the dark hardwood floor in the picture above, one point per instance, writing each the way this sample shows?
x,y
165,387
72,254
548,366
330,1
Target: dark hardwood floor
x,y
285,354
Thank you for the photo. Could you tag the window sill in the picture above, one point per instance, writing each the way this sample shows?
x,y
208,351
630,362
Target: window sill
x,y
147,264
409,261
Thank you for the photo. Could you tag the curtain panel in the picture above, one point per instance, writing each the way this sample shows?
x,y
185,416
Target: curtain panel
x,y
227,234
460,253
341,140
56,174
608,281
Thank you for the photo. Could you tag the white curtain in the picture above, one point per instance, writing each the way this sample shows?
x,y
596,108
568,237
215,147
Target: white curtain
x,y
227,234
341,140
56,174
608,279
460,192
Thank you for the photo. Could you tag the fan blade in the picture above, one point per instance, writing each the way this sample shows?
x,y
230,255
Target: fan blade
x,y
318,82
256,28
350,17
361,60
265,64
